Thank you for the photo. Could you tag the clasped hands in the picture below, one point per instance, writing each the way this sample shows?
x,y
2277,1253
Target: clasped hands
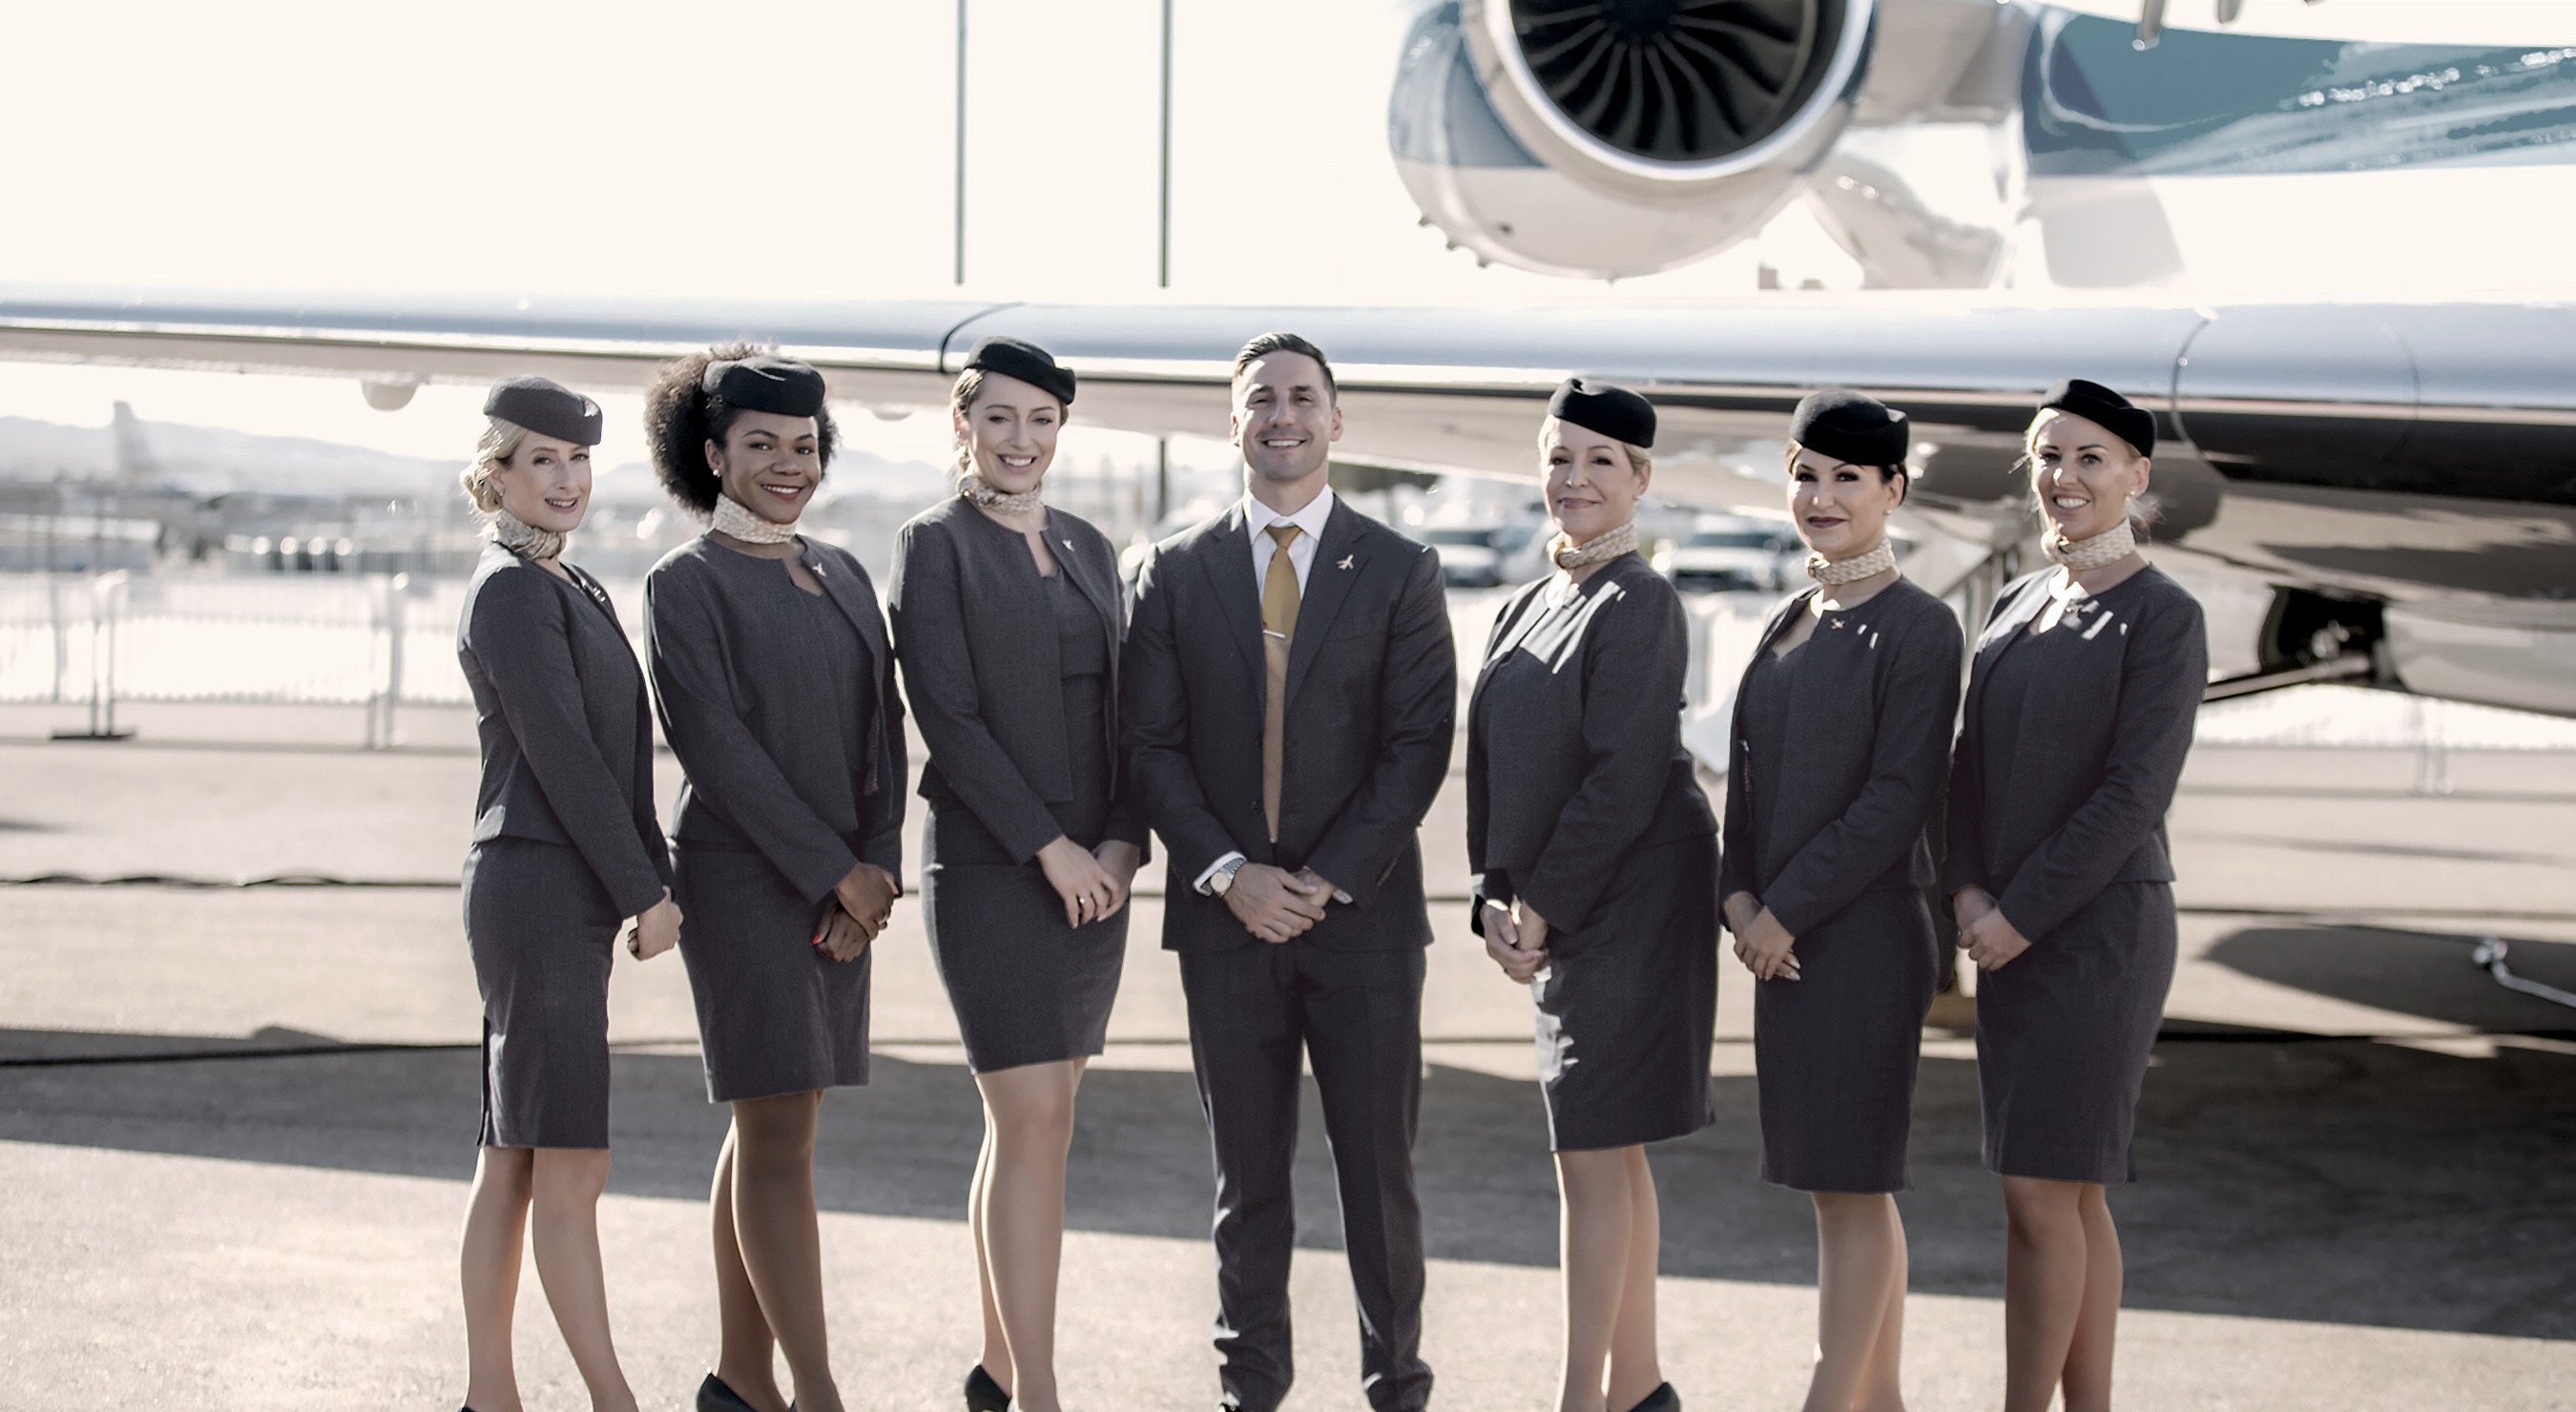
x,y
1277,905
1989,937
1093,883
654,930
1761,942
862,903
1516,937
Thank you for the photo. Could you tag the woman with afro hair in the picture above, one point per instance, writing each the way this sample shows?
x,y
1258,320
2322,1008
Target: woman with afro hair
x,y
777,693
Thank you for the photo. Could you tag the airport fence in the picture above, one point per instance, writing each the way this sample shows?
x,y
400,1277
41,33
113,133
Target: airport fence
x,y
388,641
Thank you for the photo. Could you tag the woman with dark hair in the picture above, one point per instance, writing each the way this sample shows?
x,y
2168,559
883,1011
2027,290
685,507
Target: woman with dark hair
x,y
1007,619
1597,864
2080,706
565,849
1840,741
777,693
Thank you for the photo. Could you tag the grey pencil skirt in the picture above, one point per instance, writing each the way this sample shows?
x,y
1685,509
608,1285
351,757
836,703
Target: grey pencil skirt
x,y
1027,989
1835,1050
775,1016
2063,1033
542,932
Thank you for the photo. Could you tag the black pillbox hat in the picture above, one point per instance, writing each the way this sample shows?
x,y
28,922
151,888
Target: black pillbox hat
x,y
1613,411
2096,403
1019,358
1851,427
545,407
767,383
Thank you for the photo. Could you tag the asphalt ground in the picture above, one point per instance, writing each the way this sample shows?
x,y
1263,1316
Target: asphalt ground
x,y
236,1122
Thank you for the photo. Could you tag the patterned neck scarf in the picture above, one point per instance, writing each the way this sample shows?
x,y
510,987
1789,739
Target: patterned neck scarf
x,y
1566,554
522,538
2108,547
1877,559
735,519
980,491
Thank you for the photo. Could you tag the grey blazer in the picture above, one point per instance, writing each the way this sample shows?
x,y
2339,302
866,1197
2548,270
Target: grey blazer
x,y
559,710
2089,792
1595,766
739,706
978,648
1845,820
1372,706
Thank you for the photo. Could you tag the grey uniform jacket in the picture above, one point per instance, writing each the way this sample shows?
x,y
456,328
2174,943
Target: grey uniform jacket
x,y
1596,766
1371,710
739,706
560,711
979,653
2090,790
1847,820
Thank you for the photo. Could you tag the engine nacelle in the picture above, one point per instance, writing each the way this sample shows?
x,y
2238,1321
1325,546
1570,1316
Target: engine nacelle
x,y
1612,138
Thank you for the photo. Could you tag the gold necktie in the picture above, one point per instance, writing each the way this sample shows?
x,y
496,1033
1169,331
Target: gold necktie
x,y
1279,600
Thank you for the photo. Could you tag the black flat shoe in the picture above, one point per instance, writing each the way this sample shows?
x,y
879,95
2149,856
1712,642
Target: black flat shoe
x,y
1662,1399
714,1396
983,1394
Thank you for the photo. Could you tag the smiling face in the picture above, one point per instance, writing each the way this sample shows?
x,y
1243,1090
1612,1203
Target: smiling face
x,y
769,464
1285,421
1593,485
2082,475
1010,430
545,482
1840,509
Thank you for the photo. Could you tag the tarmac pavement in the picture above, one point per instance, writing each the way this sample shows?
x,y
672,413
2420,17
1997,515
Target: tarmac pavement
x,y
235,1124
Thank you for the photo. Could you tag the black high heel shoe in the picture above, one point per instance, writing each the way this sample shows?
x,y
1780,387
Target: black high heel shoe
x,y
714,1396
1662,1399
983,1394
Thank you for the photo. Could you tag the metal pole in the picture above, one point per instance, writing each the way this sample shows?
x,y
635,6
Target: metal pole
x,y
958,274
1163,248
1162,480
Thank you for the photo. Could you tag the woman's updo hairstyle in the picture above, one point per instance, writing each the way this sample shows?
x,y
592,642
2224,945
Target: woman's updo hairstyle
x,y
498,443
1855,429
681,417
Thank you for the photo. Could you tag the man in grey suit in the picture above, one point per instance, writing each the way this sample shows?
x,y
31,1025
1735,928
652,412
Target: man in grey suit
x,y
1290,691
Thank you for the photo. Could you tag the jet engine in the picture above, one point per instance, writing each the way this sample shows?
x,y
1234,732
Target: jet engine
x,y
1612,138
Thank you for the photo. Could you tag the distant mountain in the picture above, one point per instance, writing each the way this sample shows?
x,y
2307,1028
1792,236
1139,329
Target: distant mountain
x,y
212,460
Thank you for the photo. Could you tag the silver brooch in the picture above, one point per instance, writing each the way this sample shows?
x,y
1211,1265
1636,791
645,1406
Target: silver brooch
x,y
1346,561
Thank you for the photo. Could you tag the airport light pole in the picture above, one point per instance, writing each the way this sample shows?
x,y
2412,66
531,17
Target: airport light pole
x,y
958,271
1163,250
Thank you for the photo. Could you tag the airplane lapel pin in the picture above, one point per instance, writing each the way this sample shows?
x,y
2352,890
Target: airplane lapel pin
x,y
1346,561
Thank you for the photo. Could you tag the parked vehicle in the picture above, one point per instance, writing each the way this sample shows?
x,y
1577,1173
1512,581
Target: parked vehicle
x,y
1741,555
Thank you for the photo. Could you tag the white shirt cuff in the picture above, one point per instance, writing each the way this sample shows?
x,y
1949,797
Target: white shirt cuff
x,y
1215,868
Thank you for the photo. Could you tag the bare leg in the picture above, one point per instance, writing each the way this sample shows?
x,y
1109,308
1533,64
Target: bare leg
x,y
2088,1353
1881,1387
1860,1256
565,1232
1593,1235
746,1357
487,1266
1028,1122
1635,1370
2044,1279
995,1360
781,1240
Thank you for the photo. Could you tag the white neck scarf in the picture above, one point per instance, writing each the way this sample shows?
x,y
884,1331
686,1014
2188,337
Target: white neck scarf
x,y
1877,559
1566,554
2108,547
520,537
980,491
735,519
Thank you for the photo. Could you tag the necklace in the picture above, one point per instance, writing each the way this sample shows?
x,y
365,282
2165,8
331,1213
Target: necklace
x,y
520,537
734,519
1601,548
2108,547
1877,559
980,491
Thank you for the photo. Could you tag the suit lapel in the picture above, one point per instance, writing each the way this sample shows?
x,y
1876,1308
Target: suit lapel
x,y
1085,576
1338,562
844,591
1225,557
1999,635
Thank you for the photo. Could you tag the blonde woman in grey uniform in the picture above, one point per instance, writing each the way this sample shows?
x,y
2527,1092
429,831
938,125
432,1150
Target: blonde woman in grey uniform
x,y
565,849
1841,739
777,691
2086,683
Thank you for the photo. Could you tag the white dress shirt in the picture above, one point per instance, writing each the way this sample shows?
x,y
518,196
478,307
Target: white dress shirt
x,y
1257,520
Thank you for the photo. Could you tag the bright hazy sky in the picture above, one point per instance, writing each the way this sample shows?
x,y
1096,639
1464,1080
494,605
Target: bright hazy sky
x,y
653,149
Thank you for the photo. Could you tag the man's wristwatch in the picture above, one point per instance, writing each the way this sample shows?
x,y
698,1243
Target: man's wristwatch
x,y
1223,878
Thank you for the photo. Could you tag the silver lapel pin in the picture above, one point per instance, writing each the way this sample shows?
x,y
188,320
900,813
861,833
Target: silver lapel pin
x,y
1346,561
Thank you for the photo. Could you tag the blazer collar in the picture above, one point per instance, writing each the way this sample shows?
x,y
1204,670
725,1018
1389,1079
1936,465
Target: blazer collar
x,y
848,594
1340,555
1999,635
1081,572
1228,568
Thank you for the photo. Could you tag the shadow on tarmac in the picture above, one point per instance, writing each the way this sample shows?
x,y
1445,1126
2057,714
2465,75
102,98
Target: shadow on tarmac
x,y
2345,1181
2408,972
